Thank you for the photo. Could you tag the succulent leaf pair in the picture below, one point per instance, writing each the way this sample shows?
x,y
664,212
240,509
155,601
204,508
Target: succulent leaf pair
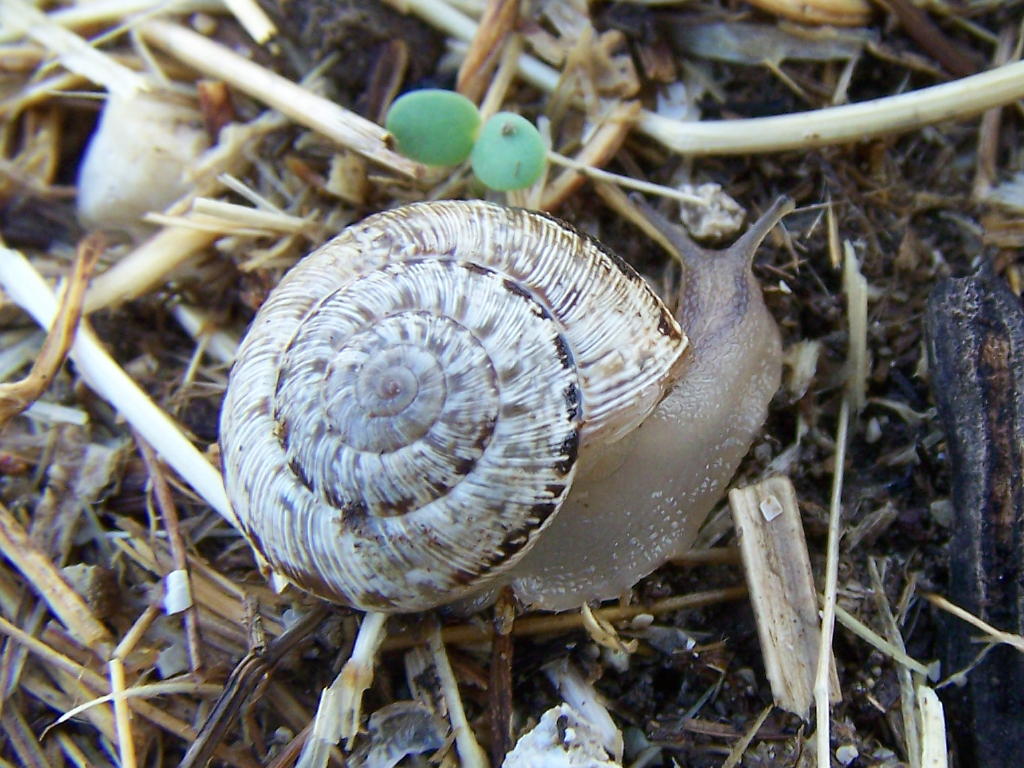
x,y
439,127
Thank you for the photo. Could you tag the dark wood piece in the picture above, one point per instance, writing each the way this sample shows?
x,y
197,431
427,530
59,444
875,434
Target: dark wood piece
x,y
918,25
243,681
500,685
976,350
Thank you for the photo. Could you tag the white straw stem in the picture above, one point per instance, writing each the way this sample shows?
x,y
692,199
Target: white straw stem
x,y
300,104
837,125
26,287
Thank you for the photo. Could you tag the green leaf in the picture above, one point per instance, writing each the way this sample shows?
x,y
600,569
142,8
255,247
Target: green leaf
x,y
509,152
433,126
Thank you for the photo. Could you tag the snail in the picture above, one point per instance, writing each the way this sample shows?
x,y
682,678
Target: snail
x,y
449,397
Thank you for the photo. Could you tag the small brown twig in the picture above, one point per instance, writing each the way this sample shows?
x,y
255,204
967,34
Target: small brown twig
x,y
932,40
243,681
500,688
499,19
557,623
169,515
386,78
16,396
988,129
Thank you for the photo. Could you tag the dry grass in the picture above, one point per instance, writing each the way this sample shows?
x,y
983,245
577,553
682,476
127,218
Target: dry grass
x,y
126,596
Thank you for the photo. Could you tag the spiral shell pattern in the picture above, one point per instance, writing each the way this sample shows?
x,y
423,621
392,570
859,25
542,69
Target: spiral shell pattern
x,y
405,415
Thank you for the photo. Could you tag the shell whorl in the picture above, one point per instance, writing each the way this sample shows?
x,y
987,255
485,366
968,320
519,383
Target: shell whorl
x,y
405,414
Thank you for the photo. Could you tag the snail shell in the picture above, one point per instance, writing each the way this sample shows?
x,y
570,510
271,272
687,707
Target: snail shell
x,y
411,405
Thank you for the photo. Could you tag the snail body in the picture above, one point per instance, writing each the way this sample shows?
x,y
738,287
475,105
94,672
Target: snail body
x,y
452,396
678,462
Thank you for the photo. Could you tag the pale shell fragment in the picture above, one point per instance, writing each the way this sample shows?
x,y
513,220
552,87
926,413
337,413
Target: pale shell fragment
x,y
562,739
